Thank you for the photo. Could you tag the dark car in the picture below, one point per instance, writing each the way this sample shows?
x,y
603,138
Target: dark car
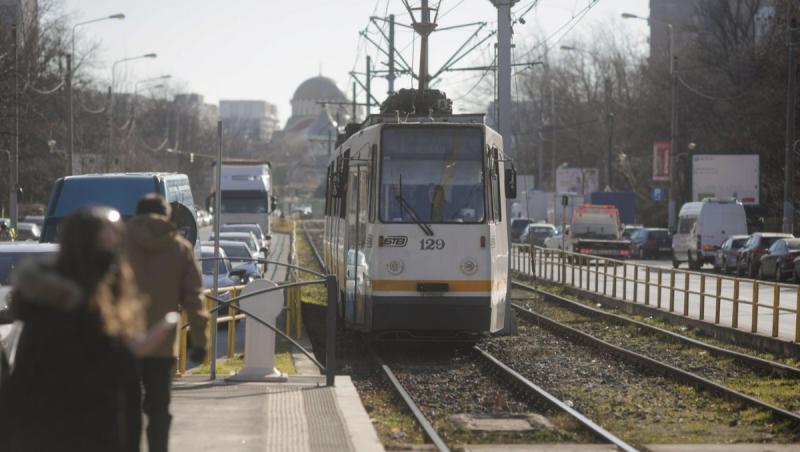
x,y
779,260
651,243
748,260
536,233
725,257
517,226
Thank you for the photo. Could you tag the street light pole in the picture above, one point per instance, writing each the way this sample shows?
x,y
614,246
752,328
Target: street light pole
x,y
13,210
111,104
70,111
791,96
673,72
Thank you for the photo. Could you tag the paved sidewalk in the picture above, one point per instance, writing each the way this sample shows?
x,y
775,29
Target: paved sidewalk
x,y
301,415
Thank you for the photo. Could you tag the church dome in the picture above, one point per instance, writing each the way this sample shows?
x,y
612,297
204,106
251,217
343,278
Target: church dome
x,y
318,88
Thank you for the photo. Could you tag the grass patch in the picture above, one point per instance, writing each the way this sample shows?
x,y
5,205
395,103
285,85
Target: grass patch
x,y
229,366
315,294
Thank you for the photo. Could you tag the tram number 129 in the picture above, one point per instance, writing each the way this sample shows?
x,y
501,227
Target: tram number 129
x,y
431,244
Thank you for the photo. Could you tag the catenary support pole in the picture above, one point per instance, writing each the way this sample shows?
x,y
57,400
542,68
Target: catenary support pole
x,y
70,119
672,205
392,76
14,182
369,85
355,104
791,119
217,219
504,35
610,124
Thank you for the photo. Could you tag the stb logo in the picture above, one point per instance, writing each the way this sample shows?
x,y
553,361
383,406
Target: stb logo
x,y
397,241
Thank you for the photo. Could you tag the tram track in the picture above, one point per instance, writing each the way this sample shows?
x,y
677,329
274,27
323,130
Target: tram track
x,y
500,381
659,367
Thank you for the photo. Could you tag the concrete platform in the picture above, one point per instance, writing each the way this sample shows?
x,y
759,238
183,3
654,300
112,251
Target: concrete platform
x,y
300,415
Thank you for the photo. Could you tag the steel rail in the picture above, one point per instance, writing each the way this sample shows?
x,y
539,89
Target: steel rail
x,y
553,401
648,363
744,358
423,422
313,246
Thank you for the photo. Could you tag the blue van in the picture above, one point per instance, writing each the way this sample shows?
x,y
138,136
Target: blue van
x,y
119,191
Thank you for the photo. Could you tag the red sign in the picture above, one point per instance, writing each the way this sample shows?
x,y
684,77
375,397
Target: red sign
x,y
661,168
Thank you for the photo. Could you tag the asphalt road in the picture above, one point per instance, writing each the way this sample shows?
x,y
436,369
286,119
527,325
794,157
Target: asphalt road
x,y
702,287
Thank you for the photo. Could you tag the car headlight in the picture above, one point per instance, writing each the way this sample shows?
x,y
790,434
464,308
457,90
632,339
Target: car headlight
x,y
469,266
395,267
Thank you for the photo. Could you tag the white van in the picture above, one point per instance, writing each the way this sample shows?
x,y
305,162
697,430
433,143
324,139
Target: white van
x,y
702,227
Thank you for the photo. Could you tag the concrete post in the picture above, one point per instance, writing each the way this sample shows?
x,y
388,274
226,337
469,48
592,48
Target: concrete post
x,y
259,340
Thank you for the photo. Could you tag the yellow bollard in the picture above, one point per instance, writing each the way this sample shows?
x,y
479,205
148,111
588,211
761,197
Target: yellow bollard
x,y
660,283
635,283
754,317
183,344
647,286
209,305
232,325
686,278
672,291
776,306
735,314
702,296
718,301
614,282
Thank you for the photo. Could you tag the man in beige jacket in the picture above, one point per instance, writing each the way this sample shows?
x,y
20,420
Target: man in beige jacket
x,y
168,278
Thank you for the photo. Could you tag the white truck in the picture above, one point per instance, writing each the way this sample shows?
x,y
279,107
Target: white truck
x,y
595,230
246,188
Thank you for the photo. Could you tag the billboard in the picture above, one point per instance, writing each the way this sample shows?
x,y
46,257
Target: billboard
x,y
661,169
577,180
726,176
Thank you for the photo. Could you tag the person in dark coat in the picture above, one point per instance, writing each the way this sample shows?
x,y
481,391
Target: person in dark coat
x,y
81,320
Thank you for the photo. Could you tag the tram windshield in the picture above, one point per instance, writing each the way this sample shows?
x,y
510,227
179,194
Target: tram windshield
x,y
433,173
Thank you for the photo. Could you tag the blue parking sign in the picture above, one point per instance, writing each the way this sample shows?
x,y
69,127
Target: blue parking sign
x,y
657,194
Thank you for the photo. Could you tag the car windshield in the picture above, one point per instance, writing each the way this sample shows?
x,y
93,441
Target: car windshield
x,y
234,251
655,235
436,172
120,193
738,243
519,225
629,232
767,242
208,265
541,232
685,224
246,240
256,230
244,202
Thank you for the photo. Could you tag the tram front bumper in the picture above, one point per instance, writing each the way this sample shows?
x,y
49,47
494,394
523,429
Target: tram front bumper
x,y
431,313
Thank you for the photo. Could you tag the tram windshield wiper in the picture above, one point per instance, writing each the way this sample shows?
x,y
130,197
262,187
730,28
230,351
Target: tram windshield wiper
x,y
407,207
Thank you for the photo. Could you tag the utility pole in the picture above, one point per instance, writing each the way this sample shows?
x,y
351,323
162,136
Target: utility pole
x,y
424,27
610,125
355,104
369,84
554,132
13,210
504,33
672,205
791,97
391,77
70,119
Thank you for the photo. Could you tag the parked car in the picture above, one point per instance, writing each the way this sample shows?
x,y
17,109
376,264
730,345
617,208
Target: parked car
x,y
556,241
38,220
263,239
28,232
228,277
629,229
239,256
725,259
518,225
536,233
11,256
245,237
651,243
702,227
748,260
778,263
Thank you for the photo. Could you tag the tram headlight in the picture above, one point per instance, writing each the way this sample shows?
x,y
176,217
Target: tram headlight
x,y
469,266
395,267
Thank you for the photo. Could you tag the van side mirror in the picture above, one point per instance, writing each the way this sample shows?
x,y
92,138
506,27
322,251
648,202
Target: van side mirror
x,y
511,183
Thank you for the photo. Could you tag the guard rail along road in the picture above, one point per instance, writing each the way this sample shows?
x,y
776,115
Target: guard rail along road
x,y
764,308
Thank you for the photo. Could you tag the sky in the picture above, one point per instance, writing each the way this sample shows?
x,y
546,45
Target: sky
x,y
263,49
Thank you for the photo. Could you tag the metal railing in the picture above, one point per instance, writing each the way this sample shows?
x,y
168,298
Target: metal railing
x,y
727,300
230,304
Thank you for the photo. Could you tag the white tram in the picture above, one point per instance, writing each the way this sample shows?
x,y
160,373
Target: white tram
x,y
415,223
